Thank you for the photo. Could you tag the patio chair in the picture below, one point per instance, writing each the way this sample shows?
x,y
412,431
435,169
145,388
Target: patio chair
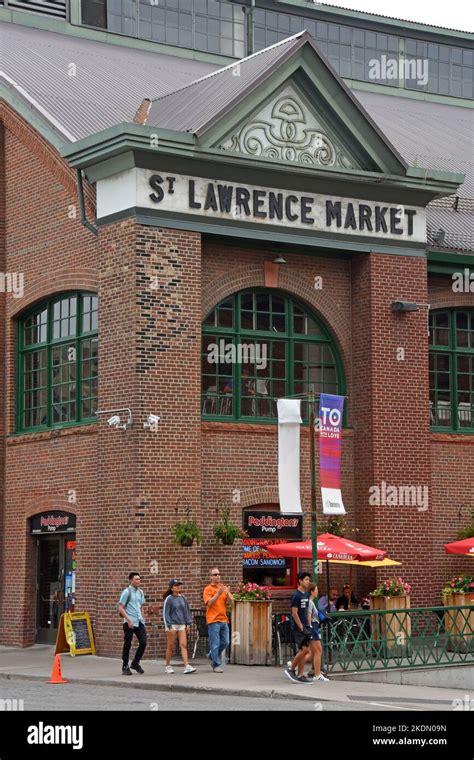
x,y
201,631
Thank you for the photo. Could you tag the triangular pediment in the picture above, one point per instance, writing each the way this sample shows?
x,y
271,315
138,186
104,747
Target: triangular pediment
x,y
288,128
284,104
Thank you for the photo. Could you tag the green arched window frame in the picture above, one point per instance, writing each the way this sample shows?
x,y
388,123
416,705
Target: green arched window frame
x,y
299,352
57,363
451,366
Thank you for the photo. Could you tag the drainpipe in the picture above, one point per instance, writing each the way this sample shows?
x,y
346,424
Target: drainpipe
x,y
80,192
249,15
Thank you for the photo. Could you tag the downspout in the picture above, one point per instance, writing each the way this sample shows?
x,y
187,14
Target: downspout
x,y
250,43
80,192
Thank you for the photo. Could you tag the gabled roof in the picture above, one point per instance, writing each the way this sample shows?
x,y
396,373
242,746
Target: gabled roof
x,y
199,106
192,107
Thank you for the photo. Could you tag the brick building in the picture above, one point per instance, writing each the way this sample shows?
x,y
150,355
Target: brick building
x,y
161,192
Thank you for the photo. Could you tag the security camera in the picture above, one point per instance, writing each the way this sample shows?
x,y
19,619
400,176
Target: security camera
x,y
114,421
152,422
405,306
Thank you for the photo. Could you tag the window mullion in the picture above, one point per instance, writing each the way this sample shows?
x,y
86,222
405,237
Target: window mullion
x,y
49,378
78,415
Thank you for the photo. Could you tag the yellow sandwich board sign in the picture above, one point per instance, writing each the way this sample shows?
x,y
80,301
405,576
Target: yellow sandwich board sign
x,y
75,634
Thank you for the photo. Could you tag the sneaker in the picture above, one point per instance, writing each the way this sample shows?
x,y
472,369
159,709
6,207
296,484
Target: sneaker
x,y
291,674
189,669
137,667
169,669
303,679
321,678
126,671
217,670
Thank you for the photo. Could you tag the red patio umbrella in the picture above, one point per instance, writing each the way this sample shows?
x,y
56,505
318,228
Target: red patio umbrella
x,y
329,547
466,546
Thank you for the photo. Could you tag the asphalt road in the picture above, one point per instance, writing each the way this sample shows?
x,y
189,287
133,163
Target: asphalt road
x,y
40,696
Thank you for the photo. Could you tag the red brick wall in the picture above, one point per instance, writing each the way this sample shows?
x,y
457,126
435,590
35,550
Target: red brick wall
x,y
452,465
155,286
3,299
54,253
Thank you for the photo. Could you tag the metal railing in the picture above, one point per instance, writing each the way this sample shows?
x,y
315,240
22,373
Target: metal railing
x,y
365,640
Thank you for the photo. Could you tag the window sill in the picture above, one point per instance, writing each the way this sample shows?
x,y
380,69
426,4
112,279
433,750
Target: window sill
x,y
255,427
451,436
85,428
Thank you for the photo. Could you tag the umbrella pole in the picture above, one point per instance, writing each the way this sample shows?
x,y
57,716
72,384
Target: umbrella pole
x,y
327,583
328,609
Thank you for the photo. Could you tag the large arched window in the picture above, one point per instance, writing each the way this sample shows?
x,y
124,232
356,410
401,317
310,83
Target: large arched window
x,y
259,346
58,363
452,369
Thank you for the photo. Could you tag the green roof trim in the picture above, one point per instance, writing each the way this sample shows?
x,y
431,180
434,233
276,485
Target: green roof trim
x,y
441,258
140,139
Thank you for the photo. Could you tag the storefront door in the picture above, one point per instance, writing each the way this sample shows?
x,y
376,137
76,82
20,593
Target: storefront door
x,y
50,588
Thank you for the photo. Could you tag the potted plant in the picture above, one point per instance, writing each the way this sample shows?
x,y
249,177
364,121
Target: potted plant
x,y
226,531
394,630
185,533
337,526
459,623
252,625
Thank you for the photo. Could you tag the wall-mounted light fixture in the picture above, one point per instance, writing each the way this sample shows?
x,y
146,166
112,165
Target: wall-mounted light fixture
x,y
116,421
399,307
279,260
405,306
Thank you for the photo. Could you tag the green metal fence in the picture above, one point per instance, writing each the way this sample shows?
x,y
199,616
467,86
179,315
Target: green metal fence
x,y
365,640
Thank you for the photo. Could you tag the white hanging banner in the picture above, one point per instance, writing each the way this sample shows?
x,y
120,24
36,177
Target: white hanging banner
x,y
289,421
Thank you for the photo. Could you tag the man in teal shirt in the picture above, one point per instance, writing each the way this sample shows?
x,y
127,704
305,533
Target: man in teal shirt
x,y
131,602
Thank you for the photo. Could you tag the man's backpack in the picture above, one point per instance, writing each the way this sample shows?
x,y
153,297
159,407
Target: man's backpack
x,y
127,600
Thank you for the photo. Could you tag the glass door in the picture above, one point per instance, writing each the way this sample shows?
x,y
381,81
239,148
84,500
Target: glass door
x,y
50,593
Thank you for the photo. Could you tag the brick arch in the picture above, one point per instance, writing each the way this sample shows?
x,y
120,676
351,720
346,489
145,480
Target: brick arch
x,y
250,497
46,153
292,283
47,503
58,282
452,301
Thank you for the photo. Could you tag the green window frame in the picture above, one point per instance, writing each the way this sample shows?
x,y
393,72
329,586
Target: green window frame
x,y
451,367
259,345
57,363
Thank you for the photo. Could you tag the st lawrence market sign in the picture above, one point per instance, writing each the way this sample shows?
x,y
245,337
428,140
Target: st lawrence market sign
x,y
236,202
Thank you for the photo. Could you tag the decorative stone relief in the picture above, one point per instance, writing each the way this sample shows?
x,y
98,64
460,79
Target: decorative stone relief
x,y
287,131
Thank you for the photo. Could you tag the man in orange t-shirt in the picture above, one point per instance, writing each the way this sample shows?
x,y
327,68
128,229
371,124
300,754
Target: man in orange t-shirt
x,y
216,596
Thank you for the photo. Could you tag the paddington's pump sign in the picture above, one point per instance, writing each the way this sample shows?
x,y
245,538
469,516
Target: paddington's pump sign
x,y
237,202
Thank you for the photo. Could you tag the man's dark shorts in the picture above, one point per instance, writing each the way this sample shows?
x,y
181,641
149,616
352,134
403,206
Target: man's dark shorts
x,y
302,638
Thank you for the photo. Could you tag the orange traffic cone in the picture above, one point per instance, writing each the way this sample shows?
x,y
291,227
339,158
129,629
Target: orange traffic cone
x,y
56,676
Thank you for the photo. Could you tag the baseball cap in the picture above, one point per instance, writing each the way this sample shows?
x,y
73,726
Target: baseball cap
x,y
175,582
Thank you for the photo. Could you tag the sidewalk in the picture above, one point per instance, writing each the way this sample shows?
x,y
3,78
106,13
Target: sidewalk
x,y
36,663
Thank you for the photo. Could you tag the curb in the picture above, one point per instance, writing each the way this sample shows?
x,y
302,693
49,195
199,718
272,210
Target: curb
x,y
224,691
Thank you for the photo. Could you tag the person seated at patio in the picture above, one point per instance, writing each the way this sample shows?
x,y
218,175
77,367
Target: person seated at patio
x,y
347,599
328,603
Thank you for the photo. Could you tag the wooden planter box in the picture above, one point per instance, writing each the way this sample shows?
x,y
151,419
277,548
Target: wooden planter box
x,y
459,625
393,630
252,633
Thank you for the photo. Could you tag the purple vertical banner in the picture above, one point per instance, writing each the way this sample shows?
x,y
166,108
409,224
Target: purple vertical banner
x,y
331,413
